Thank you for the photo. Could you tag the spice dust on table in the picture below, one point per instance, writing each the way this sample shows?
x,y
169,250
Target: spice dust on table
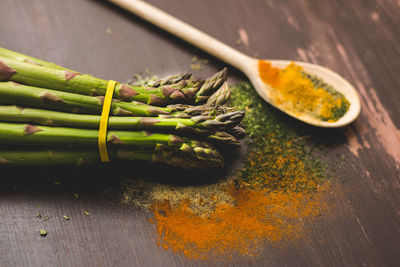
x,y
270,200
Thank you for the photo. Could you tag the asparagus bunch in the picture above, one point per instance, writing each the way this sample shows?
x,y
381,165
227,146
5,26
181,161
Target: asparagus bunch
x,y
46,107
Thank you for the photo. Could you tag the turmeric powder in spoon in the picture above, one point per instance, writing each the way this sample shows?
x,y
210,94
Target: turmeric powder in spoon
x,y
300,92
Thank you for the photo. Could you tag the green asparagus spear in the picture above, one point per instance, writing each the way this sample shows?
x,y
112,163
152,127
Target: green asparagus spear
x,y
27,134
24,58
205,124
70,81
13,93
194,155
23,95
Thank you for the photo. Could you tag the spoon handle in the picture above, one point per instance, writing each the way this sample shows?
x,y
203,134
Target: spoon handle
x,y
186,32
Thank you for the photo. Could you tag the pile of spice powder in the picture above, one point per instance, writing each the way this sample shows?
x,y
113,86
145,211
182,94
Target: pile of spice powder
x,y
271,200
302,93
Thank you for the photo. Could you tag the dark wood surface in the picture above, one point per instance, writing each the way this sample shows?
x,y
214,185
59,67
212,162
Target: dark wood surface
x,y
359,39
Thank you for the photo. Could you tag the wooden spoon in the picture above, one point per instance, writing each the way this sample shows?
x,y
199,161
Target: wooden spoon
x,y
246,64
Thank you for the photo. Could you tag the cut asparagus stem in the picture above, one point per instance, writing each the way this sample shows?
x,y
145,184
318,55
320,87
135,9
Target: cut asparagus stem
x,y
56,118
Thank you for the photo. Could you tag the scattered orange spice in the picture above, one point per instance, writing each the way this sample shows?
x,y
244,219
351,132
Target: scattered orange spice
x,y
279,191
271,203
257,217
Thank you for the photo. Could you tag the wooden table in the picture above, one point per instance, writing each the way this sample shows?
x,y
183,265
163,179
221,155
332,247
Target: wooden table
x,y
359,39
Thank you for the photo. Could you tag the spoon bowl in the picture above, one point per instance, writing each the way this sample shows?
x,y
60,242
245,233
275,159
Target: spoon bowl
x,y
340,84
246,64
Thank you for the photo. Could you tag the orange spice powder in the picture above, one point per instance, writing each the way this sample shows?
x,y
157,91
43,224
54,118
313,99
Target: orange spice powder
x,y
257,217
272,200
295,91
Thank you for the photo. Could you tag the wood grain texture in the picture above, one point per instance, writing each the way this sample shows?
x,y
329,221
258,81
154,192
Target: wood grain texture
x,y
359,39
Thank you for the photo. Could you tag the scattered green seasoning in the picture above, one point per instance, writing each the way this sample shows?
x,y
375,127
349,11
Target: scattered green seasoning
x,y
65,217
42,232
197,63
278,157
87,213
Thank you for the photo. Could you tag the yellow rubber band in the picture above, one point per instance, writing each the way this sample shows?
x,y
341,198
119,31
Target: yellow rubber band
x,y
104,121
